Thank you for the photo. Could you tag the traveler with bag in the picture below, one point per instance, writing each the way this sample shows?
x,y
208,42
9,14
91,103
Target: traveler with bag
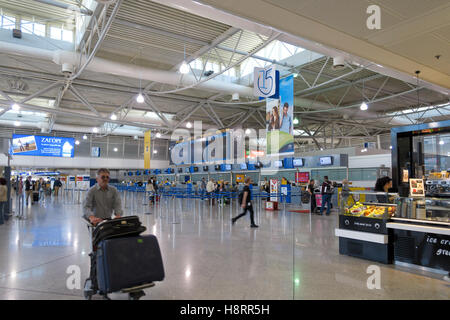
x,y
28,189
246,203
327,192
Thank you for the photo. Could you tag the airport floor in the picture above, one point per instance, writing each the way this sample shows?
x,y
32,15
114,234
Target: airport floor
x,y
290,256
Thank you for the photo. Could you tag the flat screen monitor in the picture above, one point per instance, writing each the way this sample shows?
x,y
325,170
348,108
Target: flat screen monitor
x,y
228,167
217,167
205,168
243,166
278,163
195,169
180,170
326,161
298,162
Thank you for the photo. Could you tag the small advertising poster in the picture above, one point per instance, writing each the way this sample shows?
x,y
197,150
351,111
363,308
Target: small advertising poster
x,y
273,189
405,175
25,145
240,178
416,188
301,177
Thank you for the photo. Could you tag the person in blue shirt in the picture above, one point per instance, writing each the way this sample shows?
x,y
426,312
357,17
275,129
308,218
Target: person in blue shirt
x,y
286,120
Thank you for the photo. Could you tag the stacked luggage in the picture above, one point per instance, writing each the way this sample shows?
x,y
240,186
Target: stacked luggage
x,y
122,259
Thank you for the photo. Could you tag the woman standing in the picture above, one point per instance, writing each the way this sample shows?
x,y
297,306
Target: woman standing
x,y
383,185
3,199
313,196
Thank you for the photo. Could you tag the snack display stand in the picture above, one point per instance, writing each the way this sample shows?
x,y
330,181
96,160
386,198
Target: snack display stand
x,y
363,231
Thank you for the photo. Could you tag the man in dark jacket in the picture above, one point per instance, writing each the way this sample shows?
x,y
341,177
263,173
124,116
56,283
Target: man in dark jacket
x,y
327,192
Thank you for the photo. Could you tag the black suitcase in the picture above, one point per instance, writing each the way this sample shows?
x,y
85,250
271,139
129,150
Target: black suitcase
x,y
120,227
128,262
35,196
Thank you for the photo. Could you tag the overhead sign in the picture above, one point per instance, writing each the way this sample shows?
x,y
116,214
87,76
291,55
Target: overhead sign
x,y
95,152
26,145
265,82
147,149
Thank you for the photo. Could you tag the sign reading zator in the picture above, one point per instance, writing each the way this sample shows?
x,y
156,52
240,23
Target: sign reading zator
x,y
26,145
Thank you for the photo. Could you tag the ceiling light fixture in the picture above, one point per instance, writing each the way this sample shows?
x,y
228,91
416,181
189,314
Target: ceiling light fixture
x,y
188,125
140,98
85,137
77,142
17,123
248,131
155,151
95,130
113,117
295,120
184,68
15,107
158,135
295,75
441,142
364,106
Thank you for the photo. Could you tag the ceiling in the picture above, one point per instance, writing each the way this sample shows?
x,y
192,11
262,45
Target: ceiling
x,y
149,34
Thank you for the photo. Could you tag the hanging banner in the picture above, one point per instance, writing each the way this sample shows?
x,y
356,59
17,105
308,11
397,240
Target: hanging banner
x,y
147,149
274,189
279,120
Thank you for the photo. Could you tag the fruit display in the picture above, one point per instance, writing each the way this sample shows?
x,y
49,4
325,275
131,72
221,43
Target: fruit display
x,y
369,211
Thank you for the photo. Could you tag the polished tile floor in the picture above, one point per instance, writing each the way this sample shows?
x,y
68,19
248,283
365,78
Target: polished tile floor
x,y
290,256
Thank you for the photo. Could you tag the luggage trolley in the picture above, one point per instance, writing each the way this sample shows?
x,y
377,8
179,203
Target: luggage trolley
x,y
91,286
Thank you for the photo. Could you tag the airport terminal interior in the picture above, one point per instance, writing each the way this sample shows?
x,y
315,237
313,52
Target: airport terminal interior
x,y
323,125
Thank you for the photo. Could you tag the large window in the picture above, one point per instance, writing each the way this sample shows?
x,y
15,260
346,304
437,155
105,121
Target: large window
x,y
7,22
32,27
58,33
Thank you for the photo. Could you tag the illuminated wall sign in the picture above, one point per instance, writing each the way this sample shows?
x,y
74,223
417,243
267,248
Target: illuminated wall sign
x,y
25,145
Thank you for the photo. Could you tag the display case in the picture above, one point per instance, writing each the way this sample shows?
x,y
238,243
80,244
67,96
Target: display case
x,y
363,232
421,174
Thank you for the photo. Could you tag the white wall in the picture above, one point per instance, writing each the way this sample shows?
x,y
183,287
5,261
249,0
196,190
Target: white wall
x,y
79,162
370,161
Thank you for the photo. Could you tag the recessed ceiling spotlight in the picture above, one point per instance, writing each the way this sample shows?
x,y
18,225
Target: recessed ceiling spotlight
x,y
364,106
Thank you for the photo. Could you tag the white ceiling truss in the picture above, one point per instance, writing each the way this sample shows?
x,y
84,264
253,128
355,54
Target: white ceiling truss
x,y
327,100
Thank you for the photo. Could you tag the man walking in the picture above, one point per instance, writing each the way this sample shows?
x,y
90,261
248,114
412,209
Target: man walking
x,y
246,204
57,185
327,192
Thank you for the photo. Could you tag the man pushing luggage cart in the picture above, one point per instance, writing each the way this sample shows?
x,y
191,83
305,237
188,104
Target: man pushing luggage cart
x,y
121,259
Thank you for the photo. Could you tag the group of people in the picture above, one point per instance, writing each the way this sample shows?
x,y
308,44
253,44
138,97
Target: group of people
x,y
41,187
103,200
327,189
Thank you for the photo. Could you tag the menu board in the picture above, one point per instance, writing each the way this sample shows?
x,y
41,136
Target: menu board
x,y
416,188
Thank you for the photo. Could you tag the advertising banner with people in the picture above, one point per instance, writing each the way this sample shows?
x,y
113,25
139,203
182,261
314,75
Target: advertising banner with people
x,y
25,145
279,120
